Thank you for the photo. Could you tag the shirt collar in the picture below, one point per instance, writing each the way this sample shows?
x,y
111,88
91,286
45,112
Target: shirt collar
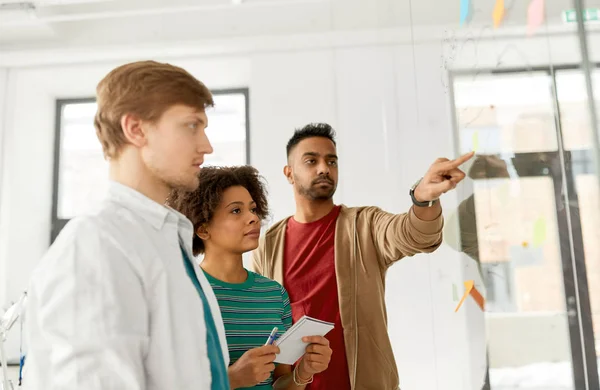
x,y
152,212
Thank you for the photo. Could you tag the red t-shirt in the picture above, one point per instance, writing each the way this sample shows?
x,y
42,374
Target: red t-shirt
x,y
309,277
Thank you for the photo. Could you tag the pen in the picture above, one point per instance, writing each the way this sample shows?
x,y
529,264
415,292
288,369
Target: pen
x,y
272,336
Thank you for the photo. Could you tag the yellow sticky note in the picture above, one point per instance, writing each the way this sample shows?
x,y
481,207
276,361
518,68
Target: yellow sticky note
x,y
498,14
539,232
475,141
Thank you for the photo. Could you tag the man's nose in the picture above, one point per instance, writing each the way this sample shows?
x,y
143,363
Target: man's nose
x,y
323,169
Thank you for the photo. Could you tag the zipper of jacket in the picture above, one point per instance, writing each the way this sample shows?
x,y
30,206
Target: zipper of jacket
x,y
355,305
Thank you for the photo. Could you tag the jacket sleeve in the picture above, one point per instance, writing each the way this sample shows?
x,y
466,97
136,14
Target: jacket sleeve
x,y
87,316
400,235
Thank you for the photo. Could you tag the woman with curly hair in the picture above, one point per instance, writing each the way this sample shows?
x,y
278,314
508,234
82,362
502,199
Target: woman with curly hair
x,y
227,210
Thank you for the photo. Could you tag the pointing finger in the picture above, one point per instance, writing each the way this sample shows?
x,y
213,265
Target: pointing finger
x,y
449,165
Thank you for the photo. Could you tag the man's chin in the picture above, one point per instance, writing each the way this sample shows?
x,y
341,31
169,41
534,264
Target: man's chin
x,y
190,185
322,196
317,194
193,185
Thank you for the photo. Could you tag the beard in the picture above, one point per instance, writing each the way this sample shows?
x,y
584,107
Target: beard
x,y
318,190
189,184
174,180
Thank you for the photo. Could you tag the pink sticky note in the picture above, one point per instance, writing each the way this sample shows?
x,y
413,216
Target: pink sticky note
x,y
535,16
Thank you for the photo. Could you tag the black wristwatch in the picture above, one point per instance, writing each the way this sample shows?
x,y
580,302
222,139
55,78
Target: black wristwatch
x,y
415,201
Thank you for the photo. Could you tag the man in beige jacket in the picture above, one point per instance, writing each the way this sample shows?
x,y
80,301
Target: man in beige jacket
x,y
333,259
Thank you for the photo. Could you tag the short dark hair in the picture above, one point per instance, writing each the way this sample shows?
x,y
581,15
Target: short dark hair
x,y
199,206
311,130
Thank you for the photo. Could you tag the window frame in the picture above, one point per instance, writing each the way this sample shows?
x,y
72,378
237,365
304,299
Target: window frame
x,y
57,224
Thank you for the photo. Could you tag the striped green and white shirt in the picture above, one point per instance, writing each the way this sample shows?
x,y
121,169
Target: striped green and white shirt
x,y
250,311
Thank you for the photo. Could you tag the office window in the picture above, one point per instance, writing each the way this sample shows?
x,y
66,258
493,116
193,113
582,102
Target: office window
x,y
81,173
532,221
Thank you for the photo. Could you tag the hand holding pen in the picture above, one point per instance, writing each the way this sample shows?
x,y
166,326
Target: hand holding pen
x,y
255,366
271,338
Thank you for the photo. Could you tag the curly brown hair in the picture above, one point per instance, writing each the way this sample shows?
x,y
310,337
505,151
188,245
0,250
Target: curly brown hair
x,y
200,205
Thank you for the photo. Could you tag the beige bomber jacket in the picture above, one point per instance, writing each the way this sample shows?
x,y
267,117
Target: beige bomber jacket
x,y
368,241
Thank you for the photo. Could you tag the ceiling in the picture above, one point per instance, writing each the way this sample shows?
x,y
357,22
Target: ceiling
x,y
85,23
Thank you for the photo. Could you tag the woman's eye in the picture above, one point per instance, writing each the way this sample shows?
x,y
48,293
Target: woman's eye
x,y
236,211
254,210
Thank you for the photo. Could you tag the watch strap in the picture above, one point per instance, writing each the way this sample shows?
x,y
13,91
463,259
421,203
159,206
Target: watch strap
x,y
428,203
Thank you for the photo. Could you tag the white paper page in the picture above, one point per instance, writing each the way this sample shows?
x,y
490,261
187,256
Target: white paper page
x,y
290,343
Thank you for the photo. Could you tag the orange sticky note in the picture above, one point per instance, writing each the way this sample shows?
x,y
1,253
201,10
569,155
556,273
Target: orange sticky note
x,y
535,16
498,13
471,290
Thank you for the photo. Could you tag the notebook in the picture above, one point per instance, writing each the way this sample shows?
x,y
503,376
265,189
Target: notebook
x,y
290,343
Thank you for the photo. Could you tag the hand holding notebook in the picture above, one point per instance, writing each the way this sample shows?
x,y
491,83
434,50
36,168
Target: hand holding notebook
x,y
290,343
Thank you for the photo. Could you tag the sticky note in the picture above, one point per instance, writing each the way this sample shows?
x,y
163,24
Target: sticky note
x,y
475,141
498,14
454,292
473,292
535,16
539,232
465,11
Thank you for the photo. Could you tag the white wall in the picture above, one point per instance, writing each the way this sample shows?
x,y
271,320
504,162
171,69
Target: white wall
x,y
287,90
3,103
392,114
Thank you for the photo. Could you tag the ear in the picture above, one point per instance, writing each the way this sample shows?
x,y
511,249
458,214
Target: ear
x,y
202,232
133,128
287,171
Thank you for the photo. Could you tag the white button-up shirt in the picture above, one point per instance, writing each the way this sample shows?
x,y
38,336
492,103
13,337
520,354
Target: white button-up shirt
x,y
111,306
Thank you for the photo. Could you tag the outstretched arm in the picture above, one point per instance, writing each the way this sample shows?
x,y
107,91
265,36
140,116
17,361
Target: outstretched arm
x,y
419,230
